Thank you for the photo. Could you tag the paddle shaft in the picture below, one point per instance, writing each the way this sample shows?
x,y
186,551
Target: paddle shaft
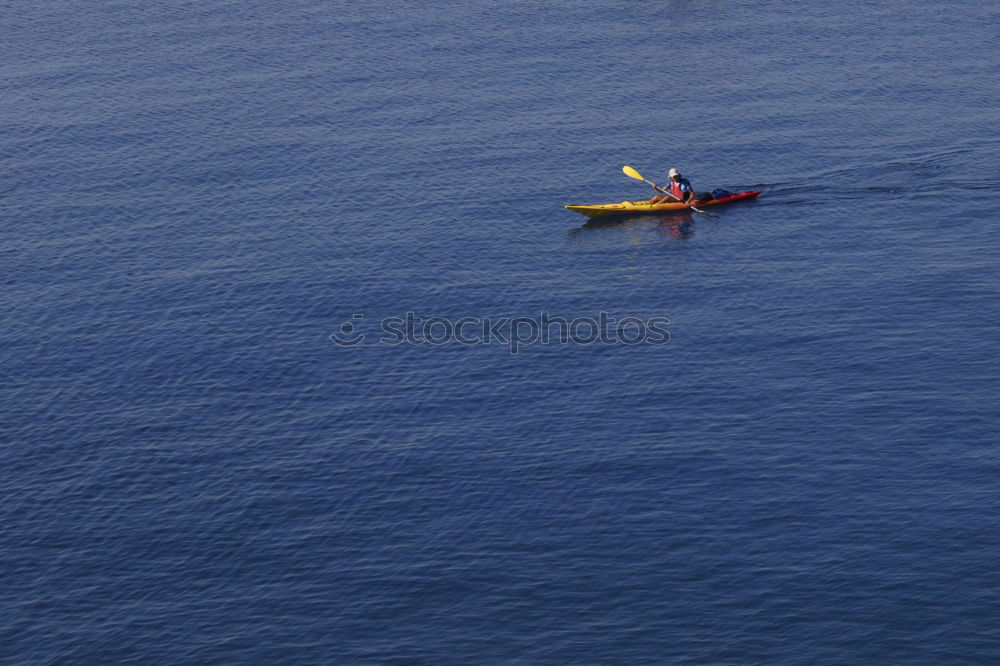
x,y
660,189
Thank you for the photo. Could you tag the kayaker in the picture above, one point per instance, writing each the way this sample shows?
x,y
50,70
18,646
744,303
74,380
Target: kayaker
x,y
678,186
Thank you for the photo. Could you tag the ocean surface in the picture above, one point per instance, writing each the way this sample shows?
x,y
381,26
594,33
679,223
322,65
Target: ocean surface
x,y
275,281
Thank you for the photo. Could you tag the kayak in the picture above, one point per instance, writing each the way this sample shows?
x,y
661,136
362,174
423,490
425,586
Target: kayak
x,y
633,207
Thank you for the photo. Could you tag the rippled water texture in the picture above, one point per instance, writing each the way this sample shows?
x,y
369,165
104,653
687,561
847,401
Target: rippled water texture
x,y
195,196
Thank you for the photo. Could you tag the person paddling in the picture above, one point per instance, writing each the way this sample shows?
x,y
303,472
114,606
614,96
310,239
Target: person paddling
x,y
678,186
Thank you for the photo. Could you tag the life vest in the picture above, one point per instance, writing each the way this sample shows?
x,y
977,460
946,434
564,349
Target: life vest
x,y
678,188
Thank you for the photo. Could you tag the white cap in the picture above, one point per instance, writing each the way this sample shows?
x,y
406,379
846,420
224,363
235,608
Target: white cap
x,y
674,172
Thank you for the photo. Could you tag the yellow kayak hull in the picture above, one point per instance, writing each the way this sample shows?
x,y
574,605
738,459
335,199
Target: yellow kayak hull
x,y
638,207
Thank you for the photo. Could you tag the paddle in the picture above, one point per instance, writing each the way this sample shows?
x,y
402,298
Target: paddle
x,y
632,173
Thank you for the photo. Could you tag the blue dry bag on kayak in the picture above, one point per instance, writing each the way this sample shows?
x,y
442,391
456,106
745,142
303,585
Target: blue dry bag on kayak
x,y
721,194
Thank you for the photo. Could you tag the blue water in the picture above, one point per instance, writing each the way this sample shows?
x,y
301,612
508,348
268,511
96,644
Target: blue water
x,y
195,196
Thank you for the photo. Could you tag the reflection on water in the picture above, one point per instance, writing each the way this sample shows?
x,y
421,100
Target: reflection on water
x,y
636,231
637,228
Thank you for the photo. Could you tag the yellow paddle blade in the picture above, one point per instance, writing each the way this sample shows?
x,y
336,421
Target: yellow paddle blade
x,y
632,173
